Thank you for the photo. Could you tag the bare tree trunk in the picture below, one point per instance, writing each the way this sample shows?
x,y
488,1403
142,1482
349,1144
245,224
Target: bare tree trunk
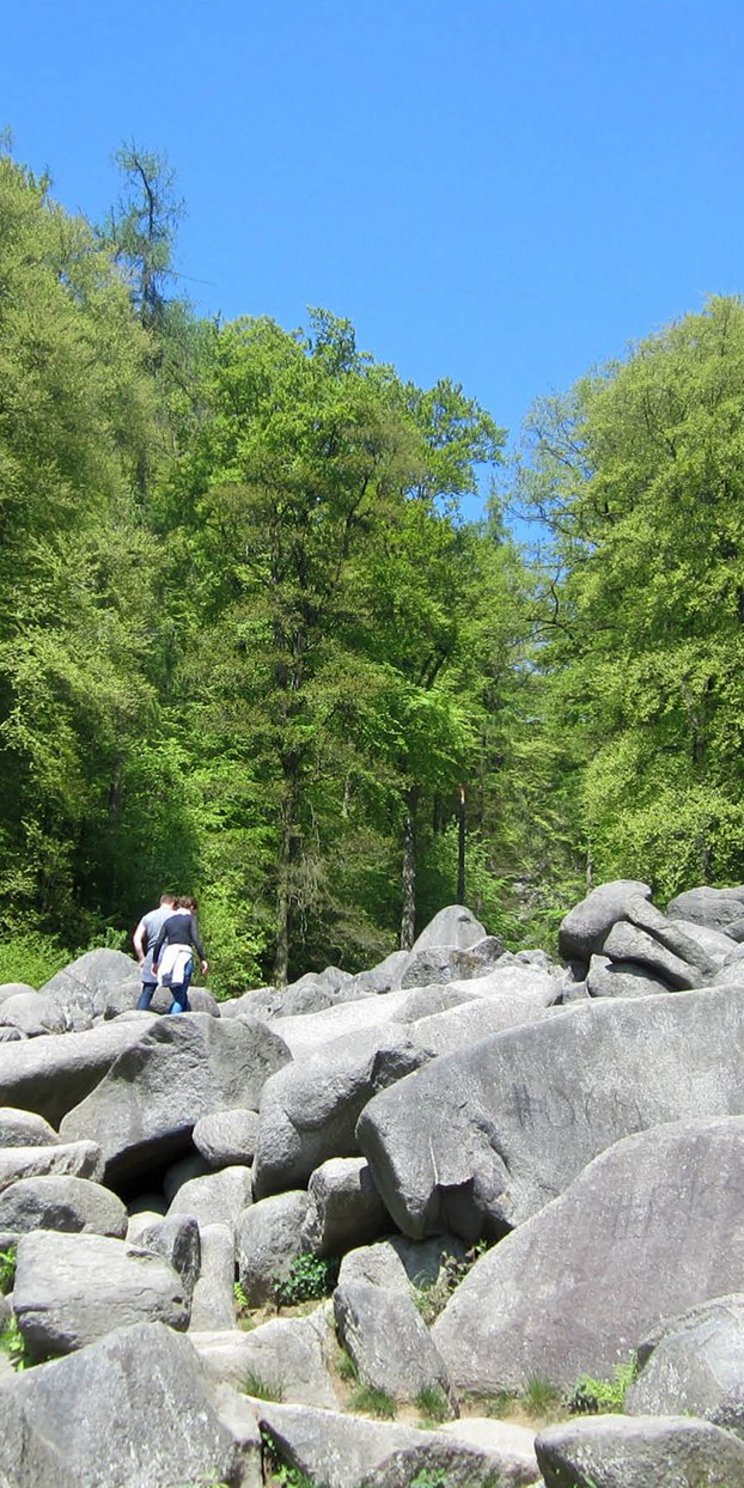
x,y
408,915
461,847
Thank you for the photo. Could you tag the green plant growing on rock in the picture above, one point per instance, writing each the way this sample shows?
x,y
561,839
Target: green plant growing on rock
x,y
13,1343
346,1367
431,1297
601,1396
432,1405
7,1269
278,1472
310,1278
262,1389
374,1402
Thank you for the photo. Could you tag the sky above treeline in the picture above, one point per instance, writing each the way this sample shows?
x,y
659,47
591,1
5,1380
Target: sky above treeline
x,y
504,192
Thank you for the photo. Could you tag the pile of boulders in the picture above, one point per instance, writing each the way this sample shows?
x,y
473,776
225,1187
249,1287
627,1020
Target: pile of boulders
x,y
578,1126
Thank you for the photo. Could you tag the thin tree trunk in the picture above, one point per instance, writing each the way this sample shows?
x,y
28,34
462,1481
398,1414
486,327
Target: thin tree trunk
x,y
461,847
408,915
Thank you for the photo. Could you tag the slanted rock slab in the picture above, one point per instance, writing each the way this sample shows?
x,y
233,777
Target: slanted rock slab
x,y
56,1202
129,1410
389,1342
649,1229
645,1452
71,1289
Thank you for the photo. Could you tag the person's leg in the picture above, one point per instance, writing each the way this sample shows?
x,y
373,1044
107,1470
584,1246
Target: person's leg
x,y
180,992
146,995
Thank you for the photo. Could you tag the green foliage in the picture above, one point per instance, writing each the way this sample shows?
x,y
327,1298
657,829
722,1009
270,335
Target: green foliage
x,y
432,1405
592,1396
254,1384
7,1269
541,1396
276,1471
431,1297
309,1278
347,1369
32,958
370,1400
430,1477
13,1343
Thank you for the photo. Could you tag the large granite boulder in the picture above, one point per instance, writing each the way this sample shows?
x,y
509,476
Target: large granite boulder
x,y
477,1141
269,1238
694,1366
82,1159
81,990
584,928
649,1452
224,1195
54,1201
309,1110
437,964
72,1289
51,1075
213,1302
649,1229
345,1208
25,1129
127,1411
453,926
283,1359
226,1138
368,1319
716,909
143,1111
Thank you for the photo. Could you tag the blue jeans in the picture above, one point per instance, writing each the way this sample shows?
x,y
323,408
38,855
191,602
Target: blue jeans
x,y
180,991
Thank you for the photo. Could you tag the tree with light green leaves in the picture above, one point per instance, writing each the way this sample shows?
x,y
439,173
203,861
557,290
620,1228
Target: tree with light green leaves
x,y
641,478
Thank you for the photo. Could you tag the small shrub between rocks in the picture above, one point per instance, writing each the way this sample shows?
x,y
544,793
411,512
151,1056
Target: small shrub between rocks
x,y
310,1279
13,1343
431,1298
278,1472
595,1396
347,1369
541,1397
374,1402
7,1269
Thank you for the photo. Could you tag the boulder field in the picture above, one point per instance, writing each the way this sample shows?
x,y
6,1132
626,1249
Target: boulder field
x,y
511,1170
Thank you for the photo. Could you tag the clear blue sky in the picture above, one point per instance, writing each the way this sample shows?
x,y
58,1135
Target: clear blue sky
x,y
500,191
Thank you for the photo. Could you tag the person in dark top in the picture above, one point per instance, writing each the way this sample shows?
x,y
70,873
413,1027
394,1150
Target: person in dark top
x,y
172,958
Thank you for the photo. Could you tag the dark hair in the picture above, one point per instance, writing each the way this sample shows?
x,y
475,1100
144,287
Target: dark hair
x,y
185,901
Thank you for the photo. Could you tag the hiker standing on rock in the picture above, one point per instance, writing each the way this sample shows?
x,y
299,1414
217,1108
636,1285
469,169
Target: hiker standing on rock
x,y
177,940
144,939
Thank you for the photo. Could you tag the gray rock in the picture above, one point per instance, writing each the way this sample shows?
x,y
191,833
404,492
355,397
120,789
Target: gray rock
x,y
80,991
176,1238
424,1002
72,1159
672,935
143,1111
625,942
344,1207
55,1202
584,928
213,1304
51,1075
183,1171
525,1002
367,1320
453,926
309,1110
433,965
696,1366
616,1452
284,1358
478,1141
512,1446
72,1289
310,1033
224,1194
25,1129
129,1433
716,943
714,908
269,1237
32,1014
606,978
650,1228
225,1138
11,989
313,992
342,1451
399,1264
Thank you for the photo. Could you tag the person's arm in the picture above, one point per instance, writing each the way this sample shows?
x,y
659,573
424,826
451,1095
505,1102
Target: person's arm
x,y
139,939
198,947
159,946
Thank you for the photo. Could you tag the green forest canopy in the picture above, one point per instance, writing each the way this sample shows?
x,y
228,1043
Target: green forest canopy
x,y
250,649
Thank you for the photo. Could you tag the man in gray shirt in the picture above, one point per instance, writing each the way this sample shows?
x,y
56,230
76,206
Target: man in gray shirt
x,y
144,939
